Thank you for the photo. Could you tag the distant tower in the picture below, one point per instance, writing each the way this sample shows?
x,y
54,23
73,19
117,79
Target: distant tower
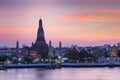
x,y
40,44
17,47
50,53
60,46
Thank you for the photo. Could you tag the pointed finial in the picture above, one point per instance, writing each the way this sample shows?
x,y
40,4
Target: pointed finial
x,y
40,19
50,43
40,22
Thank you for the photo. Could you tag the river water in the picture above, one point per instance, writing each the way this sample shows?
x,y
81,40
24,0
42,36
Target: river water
x,y
61,74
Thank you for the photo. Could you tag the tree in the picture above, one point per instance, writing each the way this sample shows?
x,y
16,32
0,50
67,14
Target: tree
x,y
84,55
72,55
3,58
27,59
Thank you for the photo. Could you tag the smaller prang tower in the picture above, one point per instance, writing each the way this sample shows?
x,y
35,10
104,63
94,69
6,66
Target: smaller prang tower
x,y
50,52
40,44
17,47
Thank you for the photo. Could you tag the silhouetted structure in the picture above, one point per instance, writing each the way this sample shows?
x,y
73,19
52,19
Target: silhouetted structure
x,y
60,47
40,44
50,53
17,47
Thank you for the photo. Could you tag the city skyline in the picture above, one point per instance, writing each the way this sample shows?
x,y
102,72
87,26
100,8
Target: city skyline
x,y
79,22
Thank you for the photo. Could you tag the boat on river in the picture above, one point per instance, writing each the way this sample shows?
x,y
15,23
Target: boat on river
x,y
3,67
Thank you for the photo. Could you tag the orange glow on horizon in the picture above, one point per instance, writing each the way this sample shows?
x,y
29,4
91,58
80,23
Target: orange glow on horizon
x,y
73,21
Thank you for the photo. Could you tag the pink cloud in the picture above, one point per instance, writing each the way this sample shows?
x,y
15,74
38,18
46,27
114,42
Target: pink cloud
x,y
111,11
17,33
91,18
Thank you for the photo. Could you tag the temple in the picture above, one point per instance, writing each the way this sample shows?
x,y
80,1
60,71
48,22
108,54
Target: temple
x,y
114,51
40,45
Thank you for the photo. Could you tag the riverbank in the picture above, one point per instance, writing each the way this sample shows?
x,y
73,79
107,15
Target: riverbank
x,y
62,65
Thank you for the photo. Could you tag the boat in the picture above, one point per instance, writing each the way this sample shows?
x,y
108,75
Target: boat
x,y
111,65
3,67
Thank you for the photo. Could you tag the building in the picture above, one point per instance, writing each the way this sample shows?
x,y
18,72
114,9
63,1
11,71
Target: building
x,y
5,51
114,51
40,44
118,45
107,47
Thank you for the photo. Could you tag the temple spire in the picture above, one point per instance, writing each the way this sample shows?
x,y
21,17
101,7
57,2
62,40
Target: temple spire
x,y
40,22
40,33
40,44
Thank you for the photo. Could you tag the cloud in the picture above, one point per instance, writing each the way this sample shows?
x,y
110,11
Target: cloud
x,y
17,33
90,18
28,3
17,18
111,11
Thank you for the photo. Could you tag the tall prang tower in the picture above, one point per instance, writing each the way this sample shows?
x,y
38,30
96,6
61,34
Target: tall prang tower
x,y
40,35
40,44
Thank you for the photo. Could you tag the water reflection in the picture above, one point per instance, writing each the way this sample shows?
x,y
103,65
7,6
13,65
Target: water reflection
x,y
61,74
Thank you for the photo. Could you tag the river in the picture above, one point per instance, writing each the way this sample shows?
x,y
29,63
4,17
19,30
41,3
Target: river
x,y
61,74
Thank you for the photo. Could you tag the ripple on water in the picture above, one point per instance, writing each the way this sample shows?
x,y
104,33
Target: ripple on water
x,y
61,74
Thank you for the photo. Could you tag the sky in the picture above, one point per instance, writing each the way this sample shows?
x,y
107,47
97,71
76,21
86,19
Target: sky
x,y
74,22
